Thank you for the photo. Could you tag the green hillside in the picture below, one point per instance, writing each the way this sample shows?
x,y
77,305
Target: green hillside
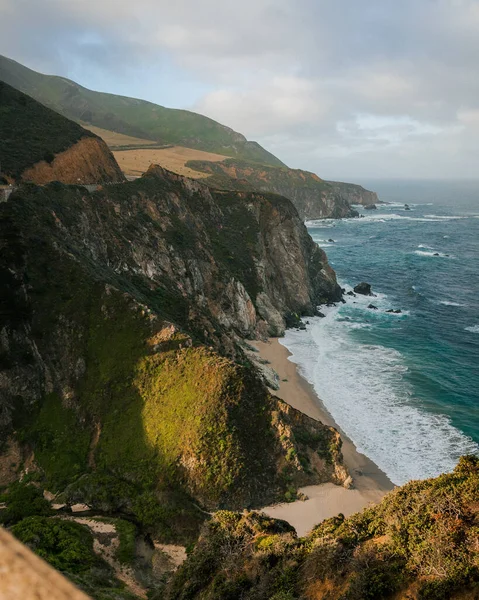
x,y
29,132
131,116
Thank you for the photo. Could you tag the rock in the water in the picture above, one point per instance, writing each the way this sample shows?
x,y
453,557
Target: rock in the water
x,y
320,314
436,254
372,306
363,288
396,311
406,207
351,293
331,240
370,207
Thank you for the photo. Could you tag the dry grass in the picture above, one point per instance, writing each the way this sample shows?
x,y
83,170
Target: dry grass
x,y
112,138
136,162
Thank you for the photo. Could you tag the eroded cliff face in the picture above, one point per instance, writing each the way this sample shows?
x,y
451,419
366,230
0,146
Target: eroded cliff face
x,y
120,370
355,194
88,161
312,197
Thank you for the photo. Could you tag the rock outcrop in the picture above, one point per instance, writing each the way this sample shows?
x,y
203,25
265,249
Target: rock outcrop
x,y
312,197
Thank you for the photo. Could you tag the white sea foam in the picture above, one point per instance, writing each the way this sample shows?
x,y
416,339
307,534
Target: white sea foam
x,y
472,329
446,217
448,303
364,389
425,246
433,254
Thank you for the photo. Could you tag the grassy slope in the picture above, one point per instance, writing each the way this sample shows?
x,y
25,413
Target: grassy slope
x,y
132,117
30,132
421,542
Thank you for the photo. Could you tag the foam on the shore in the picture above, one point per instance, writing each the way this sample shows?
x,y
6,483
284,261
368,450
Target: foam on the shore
x,y
364,388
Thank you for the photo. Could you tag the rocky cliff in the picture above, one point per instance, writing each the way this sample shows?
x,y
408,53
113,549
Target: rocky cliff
x,y
355,194
39,145
312,197
122,381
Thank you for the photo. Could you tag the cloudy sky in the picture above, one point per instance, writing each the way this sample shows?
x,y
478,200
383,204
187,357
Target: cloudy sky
x,y
349,89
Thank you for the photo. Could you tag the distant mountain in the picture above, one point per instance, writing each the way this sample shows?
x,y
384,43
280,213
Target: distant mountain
x,y
131,116
39,145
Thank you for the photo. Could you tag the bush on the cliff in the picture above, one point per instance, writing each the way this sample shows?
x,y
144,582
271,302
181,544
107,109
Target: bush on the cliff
x,y
23,500
65,545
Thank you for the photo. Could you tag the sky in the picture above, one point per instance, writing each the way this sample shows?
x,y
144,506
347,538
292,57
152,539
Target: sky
x,y
345,88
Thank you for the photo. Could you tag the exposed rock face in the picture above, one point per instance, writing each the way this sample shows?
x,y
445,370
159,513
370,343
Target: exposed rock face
x,y
355,194
89,161
312,197
363,288
120,310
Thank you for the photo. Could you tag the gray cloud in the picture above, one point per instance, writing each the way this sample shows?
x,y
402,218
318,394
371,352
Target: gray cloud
x,y
344,88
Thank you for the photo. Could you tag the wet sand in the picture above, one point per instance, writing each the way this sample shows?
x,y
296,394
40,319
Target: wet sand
x,y
370,484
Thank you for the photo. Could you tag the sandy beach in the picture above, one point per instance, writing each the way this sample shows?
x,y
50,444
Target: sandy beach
x,y
326,500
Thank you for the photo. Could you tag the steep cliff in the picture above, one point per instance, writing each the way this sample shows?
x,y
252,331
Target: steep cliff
x,y
120,373
355,194
39,145
312,197
420,542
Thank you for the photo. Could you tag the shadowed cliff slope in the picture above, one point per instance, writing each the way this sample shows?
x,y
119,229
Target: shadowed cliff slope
x,y
131,116
39,145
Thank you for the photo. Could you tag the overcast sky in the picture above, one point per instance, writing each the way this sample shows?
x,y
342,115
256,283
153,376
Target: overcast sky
x,y
346,88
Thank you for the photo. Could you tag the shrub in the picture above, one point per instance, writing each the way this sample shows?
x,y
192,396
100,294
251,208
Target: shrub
x,y
23,500
67,546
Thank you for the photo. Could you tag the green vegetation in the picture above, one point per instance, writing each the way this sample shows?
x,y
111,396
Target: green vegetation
x,y
68,547
132,117
23,500
30,132
65,545
419,542
127,536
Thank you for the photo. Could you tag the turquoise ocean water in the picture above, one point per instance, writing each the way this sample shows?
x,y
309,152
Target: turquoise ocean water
x,y
405,388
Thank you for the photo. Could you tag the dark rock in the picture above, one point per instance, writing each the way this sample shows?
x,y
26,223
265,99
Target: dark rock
x,y
343,300
372,306
436,254
350,293
363,288
370,207
331,240
320,314
396,311
406,207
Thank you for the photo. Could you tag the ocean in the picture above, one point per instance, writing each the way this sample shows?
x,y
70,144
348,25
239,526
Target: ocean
x,y
404,387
